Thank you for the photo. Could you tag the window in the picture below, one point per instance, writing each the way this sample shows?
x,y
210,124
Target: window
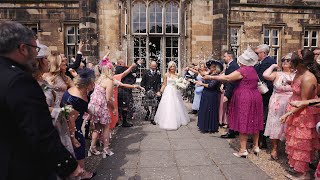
x,y
310,38
235,40
140,52
272,38
155,28
72,37
172,50
139,20
155,21
33,27
172,15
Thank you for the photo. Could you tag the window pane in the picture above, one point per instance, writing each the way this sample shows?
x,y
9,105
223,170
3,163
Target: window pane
x,y
71,40
314,42
275,41
266,41
306,33
306,42
139,17
70,30
314,34
266,32
172,17
275,33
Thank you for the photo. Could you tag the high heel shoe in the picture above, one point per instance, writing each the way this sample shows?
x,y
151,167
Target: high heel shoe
x,y
94,151
243,154
106,152
256,151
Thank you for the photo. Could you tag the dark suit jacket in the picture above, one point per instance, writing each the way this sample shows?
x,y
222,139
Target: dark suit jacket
x,y
261,67
150,81
229,86
30,145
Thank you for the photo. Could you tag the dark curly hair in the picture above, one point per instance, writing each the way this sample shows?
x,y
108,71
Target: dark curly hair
x,y
306,58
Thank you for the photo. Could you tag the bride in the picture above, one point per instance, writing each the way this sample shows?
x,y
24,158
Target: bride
x,y
171,113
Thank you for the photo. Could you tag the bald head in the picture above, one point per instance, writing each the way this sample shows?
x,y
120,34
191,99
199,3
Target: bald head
x,y
120,62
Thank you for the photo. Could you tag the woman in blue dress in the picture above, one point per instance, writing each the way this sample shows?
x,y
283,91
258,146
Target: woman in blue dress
x,y
77,96
208,115
200,70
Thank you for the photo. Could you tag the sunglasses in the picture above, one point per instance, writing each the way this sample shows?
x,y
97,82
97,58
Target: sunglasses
x,y
283,60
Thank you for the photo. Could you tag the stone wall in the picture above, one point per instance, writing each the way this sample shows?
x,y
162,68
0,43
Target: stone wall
x,y
199,30
109,22
291,22
49,16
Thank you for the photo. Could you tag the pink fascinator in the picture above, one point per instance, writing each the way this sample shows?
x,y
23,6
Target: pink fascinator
x,y
105,62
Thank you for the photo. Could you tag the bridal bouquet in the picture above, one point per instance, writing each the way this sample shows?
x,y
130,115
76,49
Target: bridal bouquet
x,y
182,83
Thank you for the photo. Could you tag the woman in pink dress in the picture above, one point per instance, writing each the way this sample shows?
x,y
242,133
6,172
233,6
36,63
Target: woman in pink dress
x,y
279,100
301,136
246,107
100,101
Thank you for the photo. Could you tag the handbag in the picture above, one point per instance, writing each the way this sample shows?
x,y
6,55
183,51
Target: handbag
x,y
262,87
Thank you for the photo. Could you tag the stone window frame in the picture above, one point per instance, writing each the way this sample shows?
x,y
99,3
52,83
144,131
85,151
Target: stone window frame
x,y
163,5
309,39
273,47
235,47
139,12
74,45
163,35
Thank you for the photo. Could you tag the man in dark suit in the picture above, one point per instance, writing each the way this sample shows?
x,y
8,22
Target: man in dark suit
x,y
30,146
232,65
151,82
265,61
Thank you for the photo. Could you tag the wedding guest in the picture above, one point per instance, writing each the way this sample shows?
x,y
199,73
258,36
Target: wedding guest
x,y
208,117
264,62
246,108
100,102
279,100
56,77
301,136
117,81
30,148
77,97
200,70
232,66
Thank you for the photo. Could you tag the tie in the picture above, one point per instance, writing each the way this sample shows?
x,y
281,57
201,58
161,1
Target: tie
x,y
152,72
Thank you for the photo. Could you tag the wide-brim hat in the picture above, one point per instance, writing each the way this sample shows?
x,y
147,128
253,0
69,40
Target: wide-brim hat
x,y
214,62
248,57
44,51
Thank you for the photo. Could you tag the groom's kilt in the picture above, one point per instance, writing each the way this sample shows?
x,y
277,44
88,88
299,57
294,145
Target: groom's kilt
x,y
150,102
150,99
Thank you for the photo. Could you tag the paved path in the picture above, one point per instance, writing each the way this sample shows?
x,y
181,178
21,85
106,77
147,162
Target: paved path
x,y
147,152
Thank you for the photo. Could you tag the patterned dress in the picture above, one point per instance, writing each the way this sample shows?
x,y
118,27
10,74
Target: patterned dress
x,y
246,106
302,139
98,105
279,100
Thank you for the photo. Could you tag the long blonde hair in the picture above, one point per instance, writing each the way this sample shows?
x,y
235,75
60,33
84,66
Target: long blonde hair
x,y
55,61
103,72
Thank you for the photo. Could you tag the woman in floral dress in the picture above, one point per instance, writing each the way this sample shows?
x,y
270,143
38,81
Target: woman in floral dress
x,y
279,100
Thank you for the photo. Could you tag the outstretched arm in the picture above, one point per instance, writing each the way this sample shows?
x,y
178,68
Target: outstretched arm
x,y
126,72
234,76
269,74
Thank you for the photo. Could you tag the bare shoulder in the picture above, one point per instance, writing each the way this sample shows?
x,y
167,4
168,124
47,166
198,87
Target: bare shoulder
x,y
308,78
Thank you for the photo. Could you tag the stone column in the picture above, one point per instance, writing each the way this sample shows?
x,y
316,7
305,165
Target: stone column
x,y
88,29
220,27
182,53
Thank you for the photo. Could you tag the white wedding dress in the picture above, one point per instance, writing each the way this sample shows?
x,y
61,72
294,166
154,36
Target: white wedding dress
x,y
171,113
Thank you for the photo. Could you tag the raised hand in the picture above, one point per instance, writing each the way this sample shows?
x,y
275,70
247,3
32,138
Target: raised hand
x,y
81,45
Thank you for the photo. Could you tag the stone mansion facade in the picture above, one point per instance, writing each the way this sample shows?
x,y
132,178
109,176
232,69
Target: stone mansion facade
x,y
184,31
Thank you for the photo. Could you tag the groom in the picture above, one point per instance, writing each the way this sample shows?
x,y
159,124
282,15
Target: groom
x,y
151,82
